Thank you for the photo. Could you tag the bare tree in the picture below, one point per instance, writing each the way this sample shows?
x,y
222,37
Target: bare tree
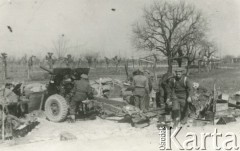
x,y
228,59
79,61
208,50
126,68
89,59
24,60
155,64
191,51
167,27
133,61
4,61
30,65
107,61
50,60
60,47
95,59
116,61
69,61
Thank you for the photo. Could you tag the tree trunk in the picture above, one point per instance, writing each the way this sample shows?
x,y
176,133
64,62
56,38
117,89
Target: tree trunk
x,y
154,69
169,65
95,65
179,61
133,62
126,70
199,65
5,70
188,65
116,67
50,63
28,72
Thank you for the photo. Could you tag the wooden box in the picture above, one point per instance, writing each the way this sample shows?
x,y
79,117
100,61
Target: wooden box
x,y
224,97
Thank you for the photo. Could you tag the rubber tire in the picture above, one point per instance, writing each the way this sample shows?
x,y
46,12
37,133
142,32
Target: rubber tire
x,y
63,105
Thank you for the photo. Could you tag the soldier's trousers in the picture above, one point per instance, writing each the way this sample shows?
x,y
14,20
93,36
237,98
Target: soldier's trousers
x,y
140,102
74,107
180,110
162,97
75,102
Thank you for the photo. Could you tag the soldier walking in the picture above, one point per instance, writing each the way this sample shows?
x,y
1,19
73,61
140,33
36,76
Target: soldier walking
x,y
180,88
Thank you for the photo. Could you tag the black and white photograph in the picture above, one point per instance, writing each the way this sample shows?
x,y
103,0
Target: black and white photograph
x,y
119,75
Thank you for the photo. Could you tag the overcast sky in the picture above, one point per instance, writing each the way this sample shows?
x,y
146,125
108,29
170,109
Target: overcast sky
x,y
93,26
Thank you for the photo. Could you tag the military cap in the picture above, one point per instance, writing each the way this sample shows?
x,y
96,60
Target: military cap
x,y
84,76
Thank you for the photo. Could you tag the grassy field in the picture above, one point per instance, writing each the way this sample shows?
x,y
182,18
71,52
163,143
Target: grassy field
x,y
227,79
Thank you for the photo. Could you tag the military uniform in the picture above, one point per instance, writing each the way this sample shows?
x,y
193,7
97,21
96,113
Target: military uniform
x,y
141,91
82,91
163,89
150,88
180,91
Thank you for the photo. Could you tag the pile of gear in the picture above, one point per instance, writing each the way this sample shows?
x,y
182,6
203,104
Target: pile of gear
x,y
107,87
14,116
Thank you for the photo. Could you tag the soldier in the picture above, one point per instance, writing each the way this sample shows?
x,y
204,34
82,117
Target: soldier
x,y
141,90
180,88
82,91
163,89
150,78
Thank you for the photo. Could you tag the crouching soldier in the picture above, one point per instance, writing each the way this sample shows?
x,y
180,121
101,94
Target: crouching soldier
x,y
141,90
180,88
82,91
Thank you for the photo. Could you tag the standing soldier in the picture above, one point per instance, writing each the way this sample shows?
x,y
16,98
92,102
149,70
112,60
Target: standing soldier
x,y
150,78
141,90
163,89
82,91
180,88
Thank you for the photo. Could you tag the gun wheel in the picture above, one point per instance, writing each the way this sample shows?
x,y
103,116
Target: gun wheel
x,y
56,108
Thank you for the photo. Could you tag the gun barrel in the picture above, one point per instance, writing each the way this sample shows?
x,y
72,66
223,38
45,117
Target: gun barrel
x,y
46,69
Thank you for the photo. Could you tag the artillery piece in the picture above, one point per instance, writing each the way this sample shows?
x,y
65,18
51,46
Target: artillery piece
x,y
59,91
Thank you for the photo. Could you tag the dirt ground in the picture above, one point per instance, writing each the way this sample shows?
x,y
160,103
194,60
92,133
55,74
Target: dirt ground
x,y
104,135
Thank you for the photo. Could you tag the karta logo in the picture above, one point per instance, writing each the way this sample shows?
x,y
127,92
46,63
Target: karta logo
x,y
168,138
